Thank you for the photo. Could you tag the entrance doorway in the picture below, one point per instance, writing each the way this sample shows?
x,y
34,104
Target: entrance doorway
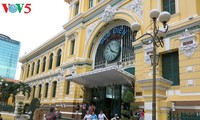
x,y
108,99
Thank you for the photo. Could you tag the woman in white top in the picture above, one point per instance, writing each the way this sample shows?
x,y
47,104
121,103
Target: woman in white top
x,y
101,116
87,116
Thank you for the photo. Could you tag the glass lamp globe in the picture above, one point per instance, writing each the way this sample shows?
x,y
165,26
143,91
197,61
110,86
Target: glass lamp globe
x,y
135,27
154,13
164,17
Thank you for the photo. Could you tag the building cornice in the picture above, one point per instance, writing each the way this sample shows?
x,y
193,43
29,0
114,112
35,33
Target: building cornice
x,y
90,14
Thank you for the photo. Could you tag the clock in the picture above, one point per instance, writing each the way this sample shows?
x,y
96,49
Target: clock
x,y
112,51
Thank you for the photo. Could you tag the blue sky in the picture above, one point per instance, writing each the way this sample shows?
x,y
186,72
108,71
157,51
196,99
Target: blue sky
x,y
43,22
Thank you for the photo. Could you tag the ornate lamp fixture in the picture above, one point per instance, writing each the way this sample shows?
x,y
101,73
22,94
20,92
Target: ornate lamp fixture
x,y
157,36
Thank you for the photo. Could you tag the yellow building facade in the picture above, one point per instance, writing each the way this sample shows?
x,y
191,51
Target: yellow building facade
x,y
96,58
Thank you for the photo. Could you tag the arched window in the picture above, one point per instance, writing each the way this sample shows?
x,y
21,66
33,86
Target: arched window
x,y
38,67
51,61
54,89
33,92
39,90
44,64
46,89
59,54
33,69
28,71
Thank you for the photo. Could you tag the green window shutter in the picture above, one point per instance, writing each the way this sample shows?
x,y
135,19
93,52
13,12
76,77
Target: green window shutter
x,y
170,67
169,5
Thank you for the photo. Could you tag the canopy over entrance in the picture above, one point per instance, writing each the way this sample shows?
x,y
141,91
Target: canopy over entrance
x,y
102,77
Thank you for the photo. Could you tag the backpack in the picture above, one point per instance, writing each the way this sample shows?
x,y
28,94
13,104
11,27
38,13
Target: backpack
x,y
49,116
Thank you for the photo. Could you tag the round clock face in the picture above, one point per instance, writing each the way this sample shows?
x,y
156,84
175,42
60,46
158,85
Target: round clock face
x,y
112,50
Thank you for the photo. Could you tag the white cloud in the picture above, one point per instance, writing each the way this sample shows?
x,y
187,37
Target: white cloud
x,y
43,22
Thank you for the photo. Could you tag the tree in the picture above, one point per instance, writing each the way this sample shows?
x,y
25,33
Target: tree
x,y
128,106
9,88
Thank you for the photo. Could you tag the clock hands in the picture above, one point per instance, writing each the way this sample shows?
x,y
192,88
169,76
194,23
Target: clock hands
x,y
112,50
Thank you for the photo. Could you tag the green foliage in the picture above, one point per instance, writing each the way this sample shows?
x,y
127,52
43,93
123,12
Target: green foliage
x,y
128,97
35,103
7,108
9,88
128,106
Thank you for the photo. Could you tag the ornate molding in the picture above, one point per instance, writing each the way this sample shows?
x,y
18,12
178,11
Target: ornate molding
x,y
73,70
90,29
137,7
147,50
188,43
109,13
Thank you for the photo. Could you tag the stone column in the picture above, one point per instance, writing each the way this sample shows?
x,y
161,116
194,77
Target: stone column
x,y
162,107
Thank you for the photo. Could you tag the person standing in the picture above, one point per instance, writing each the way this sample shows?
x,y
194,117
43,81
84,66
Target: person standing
x,y
77,110
92,108
38,114
51,115
87,116
94,116
116,117
1,117
142,115
84,109
102,116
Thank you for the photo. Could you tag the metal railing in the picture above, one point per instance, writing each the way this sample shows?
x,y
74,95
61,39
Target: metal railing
x,y
184,116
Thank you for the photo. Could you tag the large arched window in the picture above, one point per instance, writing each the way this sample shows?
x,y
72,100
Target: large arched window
x,y
33,69
38,67
46,90
44,64
33,92
115,46
39,90
51,61
59,54
28,71
54,89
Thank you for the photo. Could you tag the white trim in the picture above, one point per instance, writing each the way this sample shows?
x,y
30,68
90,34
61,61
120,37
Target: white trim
x,y
71,113
157,95
157,87
188,107
188,94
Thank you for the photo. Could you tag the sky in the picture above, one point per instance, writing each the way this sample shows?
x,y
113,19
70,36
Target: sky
x,y
45,20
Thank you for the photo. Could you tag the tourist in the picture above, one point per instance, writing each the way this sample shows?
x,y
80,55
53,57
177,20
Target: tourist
x,y
116,117
84,109
51,115
38,114
94,116
102,116
87,116
77,110
1,117
92,108
58,114
142,115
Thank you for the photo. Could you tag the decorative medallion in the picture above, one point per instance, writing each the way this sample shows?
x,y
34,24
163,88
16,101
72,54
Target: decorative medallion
x,y
188,43
108,14
136,6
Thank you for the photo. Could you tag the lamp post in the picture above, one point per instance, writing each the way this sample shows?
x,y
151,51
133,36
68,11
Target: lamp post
x,y
157,36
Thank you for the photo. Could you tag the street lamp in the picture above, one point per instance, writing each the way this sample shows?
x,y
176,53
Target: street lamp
x,y
157,36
